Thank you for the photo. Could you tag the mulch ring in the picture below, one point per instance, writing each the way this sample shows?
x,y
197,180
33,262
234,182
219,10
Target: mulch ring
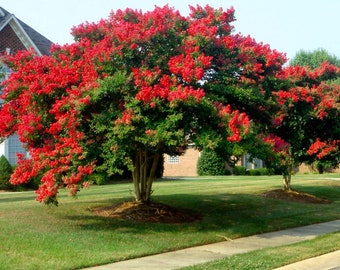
x,y
294,196
148,213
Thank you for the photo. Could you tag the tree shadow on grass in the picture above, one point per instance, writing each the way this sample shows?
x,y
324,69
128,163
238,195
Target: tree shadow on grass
x,y
327,192
233,214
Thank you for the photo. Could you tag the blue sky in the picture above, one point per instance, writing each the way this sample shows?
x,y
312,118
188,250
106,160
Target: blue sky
x,y
286,25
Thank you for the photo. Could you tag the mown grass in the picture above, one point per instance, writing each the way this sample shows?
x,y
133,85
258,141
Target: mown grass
x,y
34,236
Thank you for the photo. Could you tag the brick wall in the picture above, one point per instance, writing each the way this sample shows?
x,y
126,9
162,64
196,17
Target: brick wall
x,y
8,39
303,168
186,166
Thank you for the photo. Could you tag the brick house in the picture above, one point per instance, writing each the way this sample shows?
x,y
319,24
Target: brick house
x,y
15,35
186,164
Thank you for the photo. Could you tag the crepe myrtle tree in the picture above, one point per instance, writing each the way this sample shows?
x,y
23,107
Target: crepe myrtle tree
x,y
129,89
306,126
315,59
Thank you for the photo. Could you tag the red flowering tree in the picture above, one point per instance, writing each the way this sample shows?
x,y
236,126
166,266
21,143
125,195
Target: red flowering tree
x,y
307,119
131,88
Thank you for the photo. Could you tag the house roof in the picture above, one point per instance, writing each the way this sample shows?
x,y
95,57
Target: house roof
x,y
28,36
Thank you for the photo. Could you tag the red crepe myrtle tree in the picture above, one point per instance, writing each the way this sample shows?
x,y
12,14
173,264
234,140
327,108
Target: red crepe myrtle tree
x,y
307,123
131,88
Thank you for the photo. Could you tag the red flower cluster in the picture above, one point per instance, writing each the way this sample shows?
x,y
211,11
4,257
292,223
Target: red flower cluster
x,y
190,68
257,60
310,89
238,123
126,118
322,148
166,88
204,20
278,144
305,74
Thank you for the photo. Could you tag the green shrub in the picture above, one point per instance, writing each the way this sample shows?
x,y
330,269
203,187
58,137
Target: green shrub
x,y
240,170
210,163
254,172
6,171
265,171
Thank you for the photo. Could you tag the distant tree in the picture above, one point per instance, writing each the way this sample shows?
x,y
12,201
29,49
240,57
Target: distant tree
x,y
314,59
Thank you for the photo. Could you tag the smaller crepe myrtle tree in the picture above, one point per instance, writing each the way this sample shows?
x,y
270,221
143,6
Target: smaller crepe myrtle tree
x,y
306,126
129,89
314,59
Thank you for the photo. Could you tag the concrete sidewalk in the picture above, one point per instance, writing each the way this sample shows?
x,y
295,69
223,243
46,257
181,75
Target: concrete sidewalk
x,y
206,253
329,261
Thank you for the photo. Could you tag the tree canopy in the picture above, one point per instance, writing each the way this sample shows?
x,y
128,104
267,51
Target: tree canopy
x,y
140,84
132,87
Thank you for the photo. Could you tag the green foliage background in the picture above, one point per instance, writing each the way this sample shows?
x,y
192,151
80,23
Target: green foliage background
x,y
314,59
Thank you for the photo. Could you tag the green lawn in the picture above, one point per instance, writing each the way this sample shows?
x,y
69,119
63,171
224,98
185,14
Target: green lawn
x,y
34,236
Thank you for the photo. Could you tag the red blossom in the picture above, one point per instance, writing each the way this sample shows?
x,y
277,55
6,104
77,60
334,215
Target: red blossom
x,y
238,123
150,132
184,93
126,118
188,67
322,148
277,143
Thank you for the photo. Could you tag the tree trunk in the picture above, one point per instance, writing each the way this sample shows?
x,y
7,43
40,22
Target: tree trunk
x,y
286,181
144,174
287,174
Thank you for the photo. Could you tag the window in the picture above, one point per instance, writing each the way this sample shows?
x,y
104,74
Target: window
x,y
14,147
254,163
173,159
